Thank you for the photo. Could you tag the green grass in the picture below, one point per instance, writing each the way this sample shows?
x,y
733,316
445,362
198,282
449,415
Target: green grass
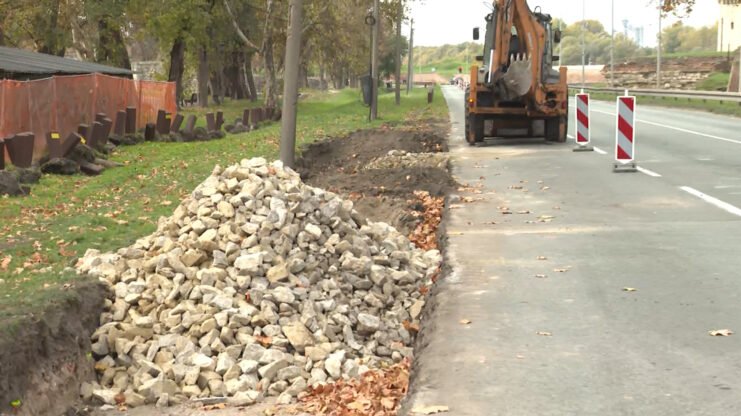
x,y
46,232
725,108
717,81
447,68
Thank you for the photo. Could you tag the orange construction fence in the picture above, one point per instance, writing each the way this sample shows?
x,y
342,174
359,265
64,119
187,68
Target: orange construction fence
x,y
61,103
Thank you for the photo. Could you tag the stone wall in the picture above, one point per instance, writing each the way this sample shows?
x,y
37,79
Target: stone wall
x,y
676,73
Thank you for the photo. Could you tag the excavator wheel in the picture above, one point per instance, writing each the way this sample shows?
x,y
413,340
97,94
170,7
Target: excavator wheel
x,y
556,129
474,129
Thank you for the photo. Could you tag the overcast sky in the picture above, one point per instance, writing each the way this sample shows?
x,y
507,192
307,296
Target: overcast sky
x,y
450,21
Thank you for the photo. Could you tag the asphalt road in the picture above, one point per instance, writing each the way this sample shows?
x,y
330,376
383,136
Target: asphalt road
x,y
552,329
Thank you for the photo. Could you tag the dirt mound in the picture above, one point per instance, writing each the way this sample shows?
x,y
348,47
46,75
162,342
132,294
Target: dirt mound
x,y
349,154
386,194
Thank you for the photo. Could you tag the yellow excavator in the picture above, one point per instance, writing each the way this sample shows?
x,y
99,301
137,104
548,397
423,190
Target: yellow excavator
x,y
515,92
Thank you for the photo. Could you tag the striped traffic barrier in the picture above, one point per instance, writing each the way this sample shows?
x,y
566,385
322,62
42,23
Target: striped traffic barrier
x,y
583,131
625,135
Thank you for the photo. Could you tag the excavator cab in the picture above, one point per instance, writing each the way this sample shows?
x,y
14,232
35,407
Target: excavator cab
x,y
516,92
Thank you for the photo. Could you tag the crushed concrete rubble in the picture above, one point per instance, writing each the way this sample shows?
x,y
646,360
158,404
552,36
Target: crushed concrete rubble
x,y
405,160
258,285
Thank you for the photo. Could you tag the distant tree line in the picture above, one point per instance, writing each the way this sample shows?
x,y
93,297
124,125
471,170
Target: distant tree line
x,y
222,43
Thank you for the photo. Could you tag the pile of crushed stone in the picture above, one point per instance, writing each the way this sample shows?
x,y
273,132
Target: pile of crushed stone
x,y
258,285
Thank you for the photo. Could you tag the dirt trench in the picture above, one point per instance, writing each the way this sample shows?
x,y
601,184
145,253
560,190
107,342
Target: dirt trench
x,y
44,357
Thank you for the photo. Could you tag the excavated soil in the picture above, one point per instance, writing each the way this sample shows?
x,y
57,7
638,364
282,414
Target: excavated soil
x,y
380,194
44,358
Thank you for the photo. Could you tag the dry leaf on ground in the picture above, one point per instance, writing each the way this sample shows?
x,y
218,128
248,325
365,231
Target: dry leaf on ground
x,y
541,276
542,258
465,322
629,289
544,333
425,235
430,410
721,333
376,393
5,262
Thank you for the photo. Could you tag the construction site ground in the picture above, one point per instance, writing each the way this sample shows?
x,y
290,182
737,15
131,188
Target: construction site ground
x,y
43,337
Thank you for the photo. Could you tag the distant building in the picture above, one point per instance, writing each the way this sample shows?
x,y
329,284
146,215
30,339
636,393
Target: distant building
x,y
729,25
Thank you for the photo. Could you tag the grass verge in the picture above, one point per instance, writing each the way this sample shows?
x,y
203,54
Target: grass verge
x,y
44,234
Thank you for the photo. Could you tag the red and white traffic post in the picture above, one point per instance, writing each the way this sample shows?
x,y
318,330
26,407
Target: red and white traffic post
x,y
583,131
625,143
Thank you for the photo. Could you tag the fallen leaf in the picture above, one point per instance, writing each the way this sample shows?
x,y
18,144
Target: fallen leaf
x,y
430,410
542,258
465,322
264,340
166,203
6,262
388,403
560,270
411,327
629,289
524,212
544,334
541,276
721,333
217,406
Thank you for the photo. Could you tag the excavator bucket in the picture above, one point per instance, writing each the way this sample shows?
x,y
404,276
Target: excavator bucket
x,y
518,78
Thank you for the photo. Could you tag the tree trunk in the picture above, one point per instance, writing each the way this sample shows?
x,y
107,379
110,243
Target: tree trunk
x,y
397,54
271,87
250,78
111,49
271,98
177,67
203,77
51,42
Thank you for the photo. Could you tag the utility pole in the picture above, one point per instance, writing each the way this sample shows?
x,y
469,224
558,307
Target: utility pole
x,y
658,54
583,44
290,83
410,66
374,63
399,20
612,45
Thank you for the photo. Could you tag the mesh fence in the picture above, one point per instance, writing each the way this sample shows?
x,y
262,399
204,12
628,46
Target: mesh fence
x,y
62,103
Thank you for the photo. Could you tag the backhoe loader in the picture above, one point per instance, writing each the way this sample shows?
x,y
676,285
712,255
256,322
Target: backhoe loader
x,y
515,92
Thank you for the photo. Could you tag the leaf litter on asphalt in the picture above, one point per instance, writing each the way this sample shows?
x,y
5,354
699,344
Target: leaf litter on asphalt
x,y
721,333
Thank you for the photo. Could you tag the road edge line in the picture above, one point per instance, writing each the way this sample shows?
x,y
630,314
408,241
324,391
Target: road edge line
x,y
648,172
725,206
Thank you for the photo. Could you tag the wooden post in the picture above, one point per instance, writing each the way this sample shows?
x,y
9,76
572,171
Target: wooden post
x,y
120,128
130,120
54,145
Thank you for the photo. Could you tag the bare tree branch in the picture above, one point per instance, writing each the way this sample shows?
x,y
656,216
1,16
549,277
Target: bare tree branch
x,y
241,34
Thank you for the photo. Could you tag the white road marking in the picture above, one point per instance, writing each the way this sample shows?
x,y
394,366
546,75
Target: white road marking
x,y
648,172
713,201
598,150
709,136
